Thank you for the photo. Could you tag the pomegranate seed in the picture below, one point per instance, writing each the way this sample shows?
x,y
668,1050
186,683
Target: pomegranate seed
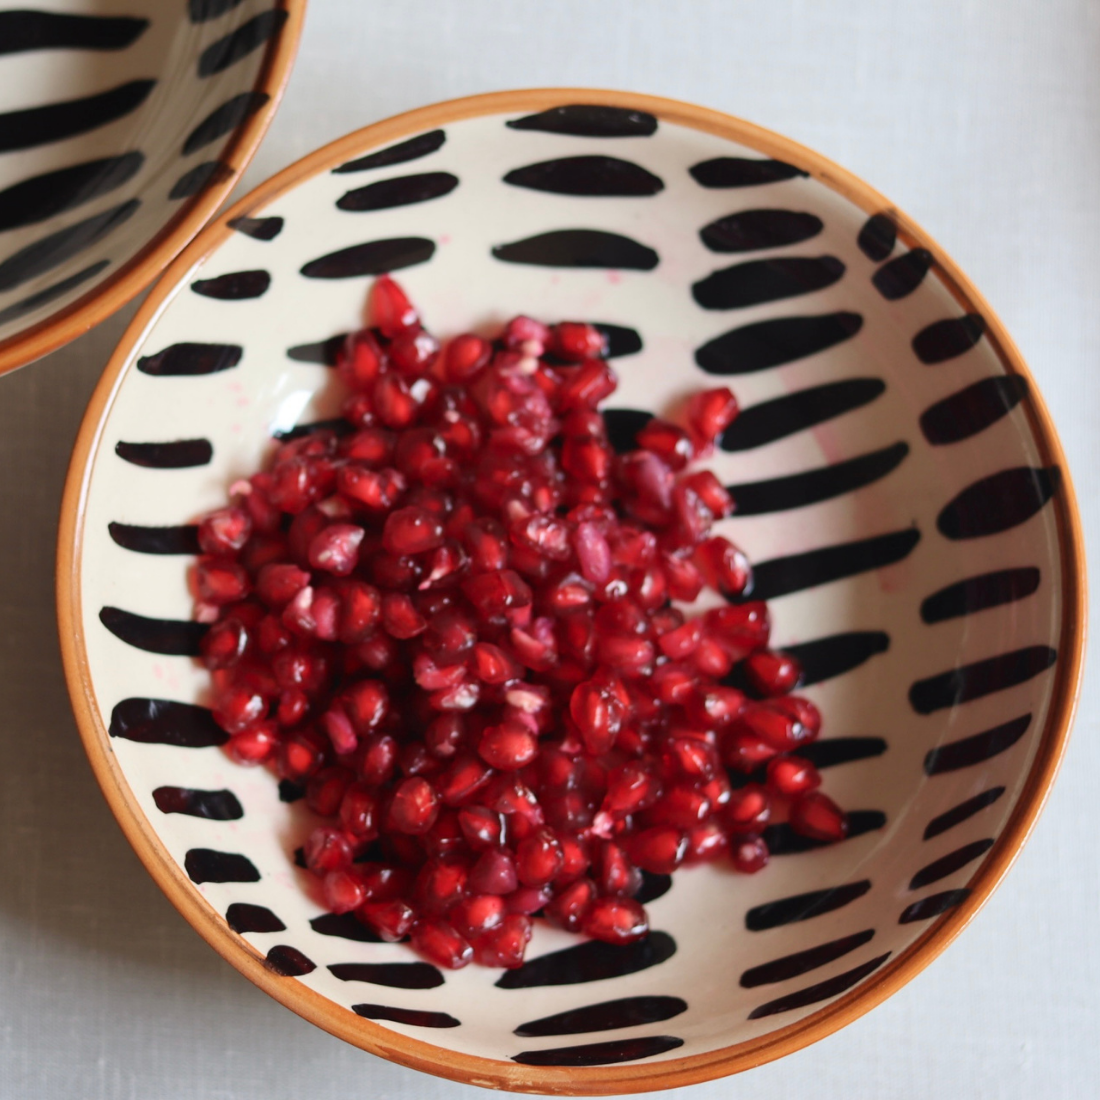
x,y
749,854
706,842
253,745
412,531
360,360
413,352
749,809
505,945
225,531
668,442
414,807
440,885
224,644
388,308
508,747
359,812
615,920
772,673
494,873
711,492
327,849
342,891
576,341
476,916
539,859
392,920
725,568
710,413
220,581
439,943
816,815
659,849
791,776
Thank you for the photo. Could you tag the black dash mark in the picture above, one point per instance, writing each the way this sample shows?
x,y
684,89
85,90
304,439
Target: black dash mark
x,y
950,863
50,293
41,197
973,409
262,229
44,255
801,962
415,1017
750,230
234,285
288,961
187,359
249,36
979,593
998,502
943,340
798,490
782,840
215,805
802,907
841,750
653,886
42,125
878,236
323,351
179,455
831,987
44,30
166,722
202,175
621,340
371,258
962,812
242,917
933,906
766,344
606,1016
742,172
579,248
600,1054
224,119
338,426
172,637
208,865
589,120
416,975
300,858
201,11
413,149
903,274
402,191
782,576
156,540
623,426
826,658
976,749
290,791
345,926
590,962
758,281
587,175
981,678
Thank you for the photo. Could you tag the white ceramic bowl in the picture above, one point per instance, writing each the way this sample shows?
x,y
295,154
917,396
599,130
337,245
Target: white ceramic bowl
x,y
901,491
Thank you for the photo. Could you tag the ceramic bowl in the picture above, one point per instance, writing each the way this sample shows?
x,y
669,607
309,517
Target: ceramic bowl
x,y
901,491
122,130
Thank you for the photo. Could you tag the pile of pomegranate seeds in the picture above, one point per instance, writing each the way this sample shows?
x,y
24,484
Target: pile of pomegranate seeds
x,y
455,625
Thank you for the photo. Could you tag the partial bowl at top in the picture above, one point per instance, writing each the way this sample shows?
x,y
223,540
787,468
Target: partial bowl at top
x,y
122,130
900,490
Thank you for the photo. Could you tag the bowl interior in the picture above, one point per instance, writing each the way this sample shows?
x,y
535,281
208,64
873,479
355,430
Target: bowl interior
x,y
898,499
112,122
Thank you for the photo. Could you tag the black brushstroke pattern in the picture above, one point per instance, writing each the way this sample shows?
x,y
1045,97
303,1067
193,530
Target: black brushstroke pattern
x,y
773,343
780,494
998,502
943,340
288,961
300,858
950,863
323,351
41,256
979,593
962,812
165,722
782,576
974,681
621,340
242,917
416,1017
587,175
234,285
50,293
758,281
973,409
43,125
290,791
933,906
187,359
339,426
841,750
831,987
653,886
201,11
249,36
172,637
201,176
371,258
416,975
224,119
345,926
179,455
742,172
750,230
156,540
579,248
589,120
412,149
600,1054
826,658
590,962
976,749
903,274
782,840
800,907
40,197
215,805
623,426
878,236
605,1016
208,865
801,962
262,229
400,191
45,30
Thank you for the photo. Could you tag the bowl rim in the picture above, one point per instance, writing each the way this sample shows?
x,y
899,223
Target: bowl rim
x,y
132,277
426,1056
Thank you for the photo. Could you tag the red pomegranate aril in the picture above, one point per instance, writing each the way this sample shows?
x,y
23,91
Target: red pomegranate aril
x,y
400,617
221,581
613,872
293,707
342,892
441,884
498,596
392,920
224,644
326,790
225,531
340,730
508,747
744,752
817,816
749,854
792,776
681,806
465,356
706,842
710,413
681,641
327,849
414,807
528,900
539,859
588,459
360,360
253,745
389,309
598,715
412,531
238,708
725,568
482,828
413,352
659,849
780,730
749,809
475,916
439,943
684,580
801,710
570,905
494,873
505,945
576,341
711,492
336,548
615,920
359,812
279,582
670,443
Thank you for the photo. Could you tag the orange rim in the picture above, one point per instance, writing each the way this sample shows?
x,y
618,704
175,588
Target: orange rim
x,y
490,1072
132,277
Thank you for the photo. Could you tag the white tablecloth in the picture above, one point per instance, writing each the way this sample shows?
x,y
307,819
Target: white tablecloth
x,y
981,118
